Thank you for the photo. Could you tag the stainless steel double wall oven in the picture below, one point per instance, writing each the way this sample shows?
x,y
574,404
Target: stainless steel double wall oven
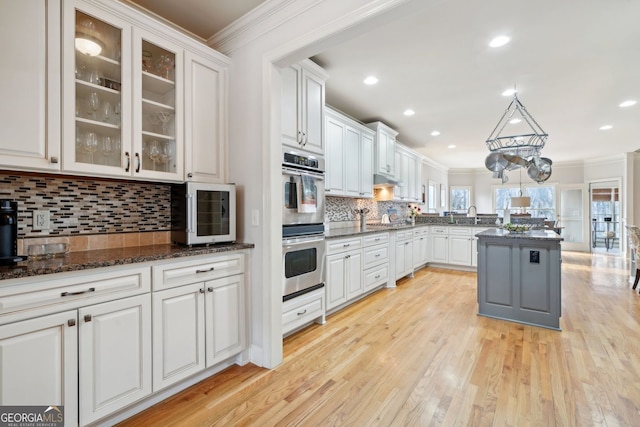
x,y
302,223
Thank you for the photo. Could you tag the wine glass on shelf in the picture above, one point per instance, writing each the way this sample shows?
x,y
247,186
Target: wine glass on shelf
x,y
154,153
164,117
165,66
94,103
167,155
153,119
91,144
107,149
116,110
105,110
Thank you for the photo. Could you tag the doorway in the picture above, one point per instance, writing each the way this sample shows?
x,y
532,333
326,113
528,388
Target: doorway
x,y
605,209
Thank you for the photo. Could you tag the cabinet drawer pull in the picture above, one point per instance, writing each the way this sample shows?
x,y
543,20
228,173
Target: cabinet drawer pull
x,y
376,239
68,294
302,312
377,276
87,318
71,322
346,245
377,255
210,289
126,154
206,270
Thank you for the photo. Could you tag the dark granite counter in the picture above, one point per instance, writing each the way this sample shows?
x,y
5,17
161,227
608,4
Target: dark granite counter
x,y
530,235
377,228
84,260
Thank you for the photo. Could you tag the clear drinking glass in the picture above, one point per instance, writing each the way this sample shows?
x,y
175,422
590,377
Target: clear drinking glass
x,y
94,103
91,144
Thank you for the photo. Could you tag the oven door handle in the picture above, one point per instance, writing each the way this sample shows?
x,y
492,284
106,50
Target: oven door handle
x,y
297,172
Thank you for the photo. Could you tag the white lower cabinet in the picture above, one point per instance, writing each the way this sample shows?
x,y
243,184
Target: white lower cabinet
x,y
114,351
40,363
375,267
196,326
474,245
404,253
455,245
420,246
460,245
344,277
303,309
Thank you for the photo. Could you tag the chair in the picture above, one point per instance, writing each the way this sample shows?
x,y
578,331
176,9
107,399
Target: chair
x,y
634,243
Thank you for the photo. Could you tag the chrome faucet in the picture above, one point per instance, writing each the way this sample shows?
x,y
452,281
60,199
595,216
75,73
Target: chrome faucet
x,y
475,214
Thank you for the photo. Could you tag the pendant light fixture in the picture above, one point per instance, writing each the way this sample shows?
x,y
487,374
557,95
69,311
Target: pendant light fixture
x,y
517,142
520,201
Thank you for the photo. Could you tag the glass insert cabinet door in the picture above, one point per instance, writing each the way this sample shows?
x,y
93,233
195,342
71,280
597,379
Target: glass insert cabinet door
x,y
98,83
157,104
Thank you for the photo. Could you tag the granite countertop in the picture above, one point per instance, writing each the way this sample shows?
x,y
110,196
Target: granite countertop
x,y
84,260
377,228
531,235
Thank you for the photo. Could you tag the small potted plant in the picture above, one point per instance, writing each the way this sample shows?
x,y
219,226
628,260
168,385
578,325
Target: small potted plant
x,y
414,211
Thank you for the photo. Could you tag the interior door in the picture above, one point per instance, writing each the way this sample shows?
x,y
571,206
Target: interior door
x,y
573,211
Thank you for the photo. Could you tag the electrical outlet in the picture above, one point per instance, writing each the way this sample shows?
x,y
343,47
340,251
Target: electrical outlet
x,y
41,220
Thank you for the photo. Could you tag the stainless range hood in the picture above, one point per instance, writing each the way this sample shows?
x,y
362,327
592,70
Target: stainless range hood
x,y
380,181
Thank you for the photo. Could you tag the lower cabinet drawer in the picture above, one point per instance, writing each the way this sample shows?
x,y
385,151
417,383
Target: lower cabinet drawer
x,y
303,309
376,276
376,255
171,274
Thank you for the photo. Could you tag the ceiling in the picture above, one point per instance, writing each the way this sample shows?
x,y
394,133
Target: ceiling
x,y
573,62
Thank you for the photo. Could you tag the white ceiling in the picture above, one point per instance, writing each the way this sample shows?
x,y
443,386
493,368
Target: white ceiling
x,y
573,62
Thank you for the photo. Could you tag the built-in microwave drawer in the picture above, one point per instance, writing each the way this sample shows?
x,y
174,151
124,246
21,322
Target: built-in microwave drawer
x,y
178,273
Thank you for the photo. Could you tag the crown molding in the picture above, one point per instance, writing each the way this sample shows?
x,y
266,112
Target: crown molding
x,y
257,22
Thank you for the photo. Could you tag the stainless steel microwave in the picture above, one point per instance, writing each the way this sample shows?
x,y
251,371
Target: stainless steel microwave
x,y
203,213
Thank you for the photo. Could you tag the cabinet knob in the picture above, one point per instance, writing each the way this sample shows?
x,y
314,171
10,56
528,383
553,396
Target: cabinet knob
x,y
201,290
54,159
71,322
87,318
189,175
210,289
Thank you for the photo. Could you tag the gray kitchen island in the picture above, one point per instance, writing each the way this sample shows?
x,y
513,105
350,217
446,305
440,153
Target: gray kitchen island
x,y
519,276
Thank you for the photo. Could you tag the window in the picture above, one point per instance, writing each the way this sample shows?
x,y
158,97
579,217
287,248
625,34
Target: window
x,y
431,207
543,200
460,198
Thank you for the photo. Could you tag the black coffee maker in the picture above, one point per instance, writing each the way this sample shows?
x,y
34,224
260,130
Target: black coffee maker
x,y
9,233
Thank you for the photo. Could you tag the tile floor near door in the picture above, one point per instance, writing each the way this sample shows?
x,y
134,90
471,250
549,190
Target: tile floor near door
x,y
419,355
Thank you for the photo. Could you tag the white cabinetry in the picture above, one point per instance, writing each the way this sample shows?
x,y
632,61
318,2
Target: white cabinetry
x,y
385,147
460,245
375,267
349,155
409,173
198,311
83,338
404,253
114,355
30,85
420,246
205,110
344,270
303,105
439,244
304,309
40,363
474,245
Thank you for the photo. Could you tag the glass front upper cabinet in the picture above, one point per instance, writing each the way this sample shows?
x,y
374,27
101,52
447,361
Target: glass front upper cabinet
x,y
98,84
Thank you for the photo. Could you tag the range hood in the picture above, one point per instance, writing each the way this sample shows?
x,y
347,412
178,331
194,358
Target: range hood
x,y
380,181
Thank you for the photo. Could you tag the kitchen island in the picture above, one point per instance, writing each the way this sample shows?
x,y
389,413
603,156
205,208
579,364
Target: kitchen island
x,y
519,276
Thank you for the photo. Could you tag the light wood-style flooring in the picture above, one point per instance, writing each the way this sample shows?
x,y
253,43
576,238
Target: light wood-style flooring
x,y
418,355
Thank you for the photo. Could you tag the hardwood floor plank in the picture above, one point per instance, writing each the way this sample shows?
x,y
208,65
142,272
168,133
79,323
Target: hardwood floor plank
x,y
420,355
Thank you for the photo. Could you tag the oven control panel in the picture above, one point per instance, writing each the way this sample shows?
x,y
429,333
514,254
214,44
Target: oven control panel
x,y
295,159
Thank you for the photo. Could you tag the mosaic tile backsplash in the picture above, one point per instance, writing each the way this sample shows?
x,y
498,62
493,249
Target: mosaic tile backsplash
x,y
80,206
341,208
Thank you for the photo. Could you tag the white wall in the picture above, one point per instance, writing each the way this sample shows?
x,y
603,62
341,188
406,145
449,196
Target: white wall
x,y
295,30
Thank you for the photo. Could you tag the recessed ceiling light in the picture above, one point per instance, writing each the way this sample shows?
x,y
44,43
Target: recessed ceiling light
x,y
452,146
499,41
605,127
371,80
435,133
514,121
509,92
409,112
628,103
